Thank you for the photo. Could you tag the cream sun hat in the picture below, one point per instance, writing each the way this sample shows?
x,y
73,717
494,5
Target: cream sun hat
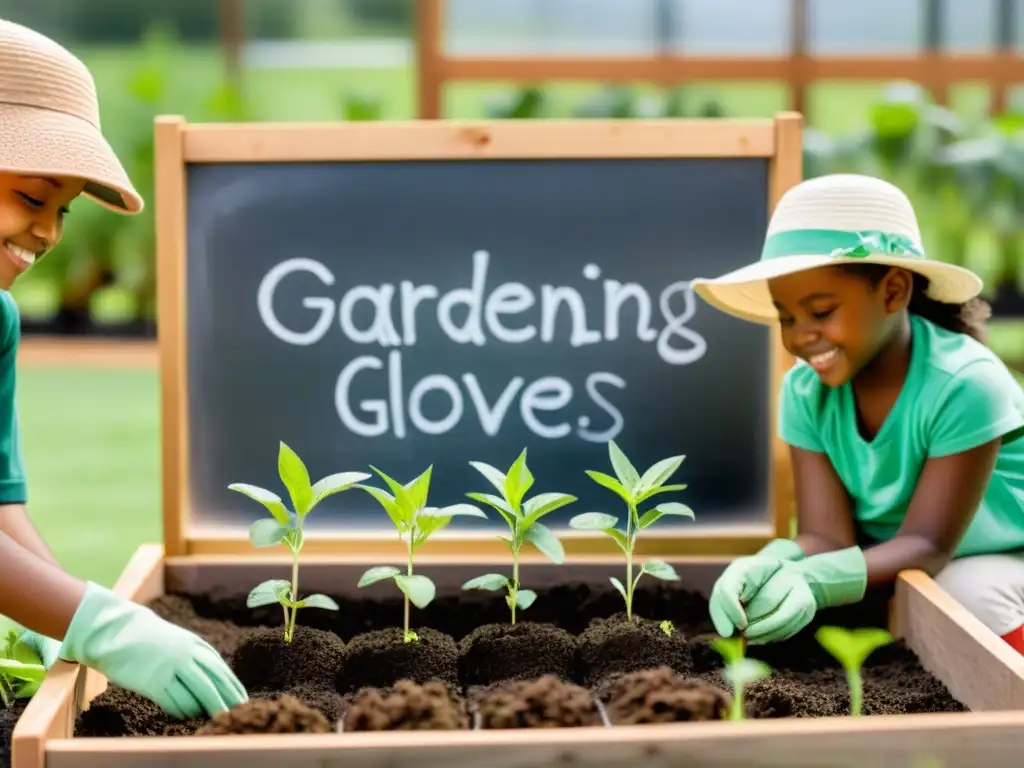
x,y
50,121
835,219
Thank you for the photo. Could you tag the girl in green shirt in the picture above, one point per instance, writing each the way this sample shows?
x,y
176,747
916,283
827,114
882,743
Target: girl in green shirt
x,y
906,432
52,151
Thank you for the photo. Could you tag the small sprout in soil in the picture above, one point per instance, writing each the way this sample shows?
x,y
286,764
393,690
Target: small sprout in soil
x,y
667,627
415,523
522,518
739,670
21,670
634,489
851,648
285,527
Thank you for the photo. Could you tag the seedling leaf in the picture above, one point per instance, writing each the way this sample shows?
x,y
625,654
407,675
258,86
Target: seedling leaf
x,y
492,582
544,504
618,585
593,521
620,538
30,673
266,532
851,647
464,510
544,539
744,671
525,598
377,573
642,497
658,473
518,480
319,601
268,499
419,488
497,503
295,477
668,508
387,501
494,475
336,483
611,483
729,648
419,589
269,592
659,569
624,469
403,499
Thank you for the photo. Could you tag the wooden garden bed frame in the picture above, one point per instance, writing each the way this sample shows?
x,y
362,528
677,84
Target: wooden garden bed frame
x,y
977,667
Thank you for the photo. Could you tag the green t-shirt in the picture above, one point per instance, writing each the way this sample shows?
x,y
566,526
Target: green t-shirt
x,y
13,484
957,395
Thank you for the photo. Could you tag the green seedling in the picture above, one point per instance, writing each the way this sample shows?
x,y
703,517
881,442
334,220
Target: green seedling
x,y
851,648
21,669
415,523
634,489
739,671
285,527
523,521
667,627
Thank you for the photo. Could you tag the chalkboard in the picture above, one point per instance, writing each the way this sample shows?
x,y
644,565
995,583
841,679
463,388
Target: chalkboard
x,y
539,304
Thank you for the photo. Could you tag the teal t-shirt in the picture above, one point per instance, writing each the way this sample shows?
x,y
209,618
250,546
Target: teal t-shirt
x,y
13,484
957,395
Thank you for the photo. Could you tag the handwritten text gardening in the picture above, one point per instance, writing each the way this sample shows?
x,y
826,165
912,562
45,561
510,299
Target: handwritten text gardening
x,y
489,316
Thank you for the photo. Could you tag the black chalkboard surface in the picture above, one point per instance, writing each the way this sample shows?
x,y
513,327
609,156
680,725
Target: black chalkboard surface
x,y
523,304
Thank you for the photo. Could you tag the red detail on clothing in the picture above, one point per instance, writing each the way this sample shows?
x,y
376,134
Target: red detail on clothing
x,y
1016,639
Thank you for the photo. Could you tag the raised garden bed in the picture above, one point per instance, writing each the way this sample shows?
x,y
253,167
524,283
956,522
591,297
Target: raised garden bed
x,y
344,688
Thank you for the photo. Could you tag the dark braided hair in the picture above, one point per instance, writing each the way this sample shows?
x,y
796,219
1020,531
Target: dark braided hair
x,y
969,318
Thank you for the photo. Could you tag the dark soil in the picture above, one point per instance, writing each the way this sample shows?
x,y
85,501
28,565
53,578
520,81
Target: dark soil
x,y
284,714
547,702
9,719
662,695
527,650
348,664
617,645
263,660
407,706
379,659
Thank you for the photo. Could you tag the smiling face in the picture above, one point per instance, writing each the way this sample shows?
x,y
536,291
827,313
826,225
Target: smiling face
x,y
837,320
32,210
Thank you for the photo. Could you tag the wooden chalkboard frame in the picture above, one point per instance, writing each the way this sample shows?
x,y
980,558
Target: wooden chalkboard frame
x,y
179,144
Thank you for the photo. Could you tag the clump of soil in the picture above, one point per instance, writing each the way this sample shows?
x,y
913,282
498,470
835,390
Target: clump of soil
x,y
661,695
617,645
327,701
120,712
407,706
263,661
285,714
381,658
497,652
546,702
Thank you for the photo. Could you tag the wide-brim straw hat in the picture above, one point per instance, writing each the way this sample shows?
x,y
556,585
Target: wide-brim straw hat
x,y
50,120
835,219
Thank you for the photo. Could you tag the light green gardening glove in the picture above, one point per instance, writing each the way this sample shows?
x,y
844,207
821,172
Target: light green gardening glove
x,y
741,580
46,648
133,647
789,600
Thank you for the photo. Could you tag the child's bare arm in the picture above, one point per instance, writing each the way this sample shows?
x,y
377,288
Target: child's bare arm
x,y
15,522
824,513
37,593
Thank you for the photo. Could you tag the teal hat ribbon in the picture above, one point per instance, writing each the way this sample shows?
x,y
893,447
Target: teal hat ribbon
x,y
839,243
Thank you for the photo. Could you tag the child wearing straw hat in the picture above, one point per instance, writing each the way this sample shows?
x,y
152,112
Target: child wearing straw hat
x,y
906,432
52,151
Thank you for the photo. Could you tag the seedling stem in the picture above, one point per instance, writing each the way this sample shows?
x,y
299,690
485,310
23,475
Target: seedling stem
x,y
523,519
851,648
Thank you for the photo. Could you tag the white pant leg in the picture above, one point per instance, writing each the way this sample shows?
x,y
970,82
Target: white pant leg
x,y
990,586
